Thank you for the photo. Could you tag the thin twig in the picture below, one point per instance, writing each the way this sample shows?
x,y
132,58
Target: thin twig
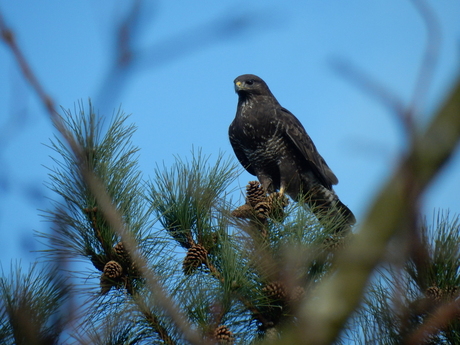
x,y
96,186
366,83
9,38
430,56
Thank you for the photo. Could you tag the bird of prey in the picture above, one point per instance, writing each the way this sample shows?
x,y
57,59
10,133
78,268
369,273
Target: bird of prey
x,y
271,143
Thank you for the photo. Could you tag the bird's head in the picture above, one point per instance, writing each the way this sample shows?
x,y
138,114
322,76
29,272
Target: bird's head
x,y
250,84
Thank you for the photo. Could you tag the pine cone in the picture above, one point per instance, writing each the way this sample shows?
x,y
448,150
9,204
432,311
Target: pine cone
x,y
122,253
113,270
195,257
297,294
278,199
276,291
111,276
126,259
277,202
451,292
245,211
434,293
262,210
254,193
334,242
223,335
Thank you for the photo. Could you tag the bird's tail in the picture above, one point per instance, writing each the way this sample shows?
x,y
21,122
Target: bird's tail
x,y
346,213
326,206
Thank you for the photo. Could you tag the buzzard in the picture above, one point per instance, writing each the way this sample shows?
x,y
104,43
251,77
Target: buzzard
x,y
271,143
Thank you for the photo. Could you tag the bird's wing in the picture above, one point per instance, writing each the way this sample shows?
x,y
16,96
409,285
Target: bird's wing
x,y
239,152
296,133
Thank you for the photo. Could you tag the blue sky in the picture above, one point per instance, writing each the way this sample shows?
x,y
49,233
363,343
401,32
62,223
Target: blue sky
x,y
180,91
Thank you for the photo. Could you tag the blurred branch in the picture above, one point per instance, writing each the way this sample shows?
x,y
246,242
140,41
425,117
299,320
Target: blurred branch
x,y
405,114
162,299
430,57
8,37
369,85
126,34
323,317
129,58
225,27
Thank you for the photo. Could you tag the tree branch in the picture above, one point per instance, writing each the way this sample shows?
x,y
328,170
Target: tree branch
x,y
323,317
162,299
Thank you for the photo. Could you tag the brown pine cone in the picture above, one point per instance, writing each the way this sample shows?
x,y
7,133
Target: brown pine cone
x,y
254,193
434,293
223,335
334,242
297,294
451,292
277,202
122,253
277,199
195,257
262,210
245,211
276,291
113,270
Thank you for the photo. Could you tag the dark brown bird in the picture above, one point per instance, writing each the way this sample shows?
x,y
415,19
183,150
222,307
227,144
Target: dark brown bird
x,y
271,143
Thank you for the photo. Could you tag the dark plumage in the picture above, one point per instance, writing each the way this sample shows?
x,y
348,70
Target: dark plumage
x,y
271,143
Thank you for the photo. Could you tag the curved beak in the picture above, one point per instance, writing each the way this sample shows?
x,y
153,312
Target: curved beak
x,y
238,86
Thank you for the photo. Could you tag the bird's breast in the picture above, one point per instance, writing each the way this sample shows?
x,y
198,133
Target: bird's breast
x,y
266,150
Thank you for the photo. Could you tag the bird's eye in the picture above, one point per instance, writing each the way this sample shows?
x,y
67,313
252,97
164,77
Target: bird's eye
x,y
250,81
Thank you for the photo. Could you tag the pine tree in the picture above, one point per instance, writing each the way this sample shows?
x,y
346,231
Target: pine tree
x,y
231,274
170,259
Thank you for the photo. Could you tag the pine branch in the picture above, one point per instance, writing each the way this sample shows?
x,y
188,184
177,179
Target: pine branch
x,y
121,327
154,321
81,228
262,262
32,306
187,196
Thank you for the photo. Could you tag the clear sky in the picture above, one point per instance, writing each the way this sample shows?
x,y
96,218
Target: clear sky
x,y
180,91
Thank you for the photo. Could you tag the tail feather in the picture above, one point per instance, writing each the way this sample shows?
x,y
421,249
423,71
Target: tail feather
x,y
326,205
346,213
